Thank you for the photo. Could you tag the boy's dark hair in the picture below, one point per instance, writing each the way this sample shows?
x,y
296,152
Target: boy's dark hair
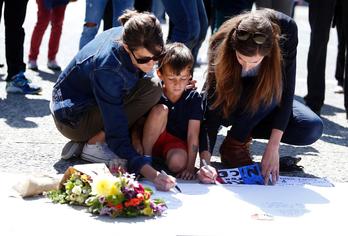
x,y
141,30
178,57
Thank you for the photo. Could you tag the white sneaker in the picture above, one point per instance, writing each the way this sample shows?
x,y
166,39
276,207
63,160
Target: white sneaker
x,y
32,65
53,65
99,153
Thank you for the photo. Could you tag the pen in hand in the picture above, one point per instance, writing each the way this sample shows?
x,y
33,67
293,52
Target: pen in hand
x,y
176,186
207,168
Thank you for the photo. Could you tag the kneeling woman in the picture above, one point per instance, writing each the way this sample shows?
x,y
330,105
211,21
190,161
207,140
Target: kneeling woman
x,y
103,92
250,85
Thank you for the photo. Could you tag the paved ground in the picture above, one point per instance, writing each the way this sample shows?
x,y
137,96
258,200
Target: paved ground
x,y
30,143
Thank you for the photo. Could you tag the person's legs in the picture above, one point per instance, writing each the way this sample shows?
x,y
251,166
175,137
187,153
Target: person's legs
x,y
144,96
340,60
57,19
90,125
119,6
235,149
1,3
14,15
154,126
184,20
285,6
345,32
203,23
225,9
94,14
263,3
341,47
107,17
304,127
320,17
158,10
15,12
43,19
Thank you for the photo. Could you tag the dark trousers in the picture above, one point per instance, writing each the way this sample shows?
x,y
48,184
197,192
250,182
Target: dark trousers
x,y
188,23
14,15
341,21
341,50
304,127
225,9
320,18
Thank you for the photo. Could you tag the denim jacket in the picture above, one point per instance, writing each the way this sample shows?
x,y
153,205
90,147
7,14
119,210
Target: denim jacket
x,y
101,74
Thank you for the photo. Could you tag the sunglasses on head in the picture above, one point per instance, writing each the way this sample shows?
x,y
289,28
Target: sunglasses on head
x,y
258,37
144,60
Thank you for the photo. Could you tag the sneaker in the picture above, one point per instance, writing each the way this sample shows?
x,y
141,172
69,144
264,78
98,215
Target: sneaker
x,y
20,84
53,65
99,153
72,149
32,65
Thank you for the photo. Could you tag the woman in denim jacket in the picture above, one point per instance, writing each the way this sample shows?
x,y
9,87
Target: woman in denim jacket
x,y
104,91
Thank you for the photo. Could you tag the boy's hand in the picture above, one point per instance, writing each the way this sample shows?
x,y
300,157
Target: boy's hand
x,y
207,174
187,174
191,84
164,182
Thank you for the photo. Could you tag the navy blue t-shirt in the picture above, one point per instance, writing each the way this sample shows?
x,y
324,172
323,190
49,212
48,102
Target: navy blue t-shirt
x,y
188,107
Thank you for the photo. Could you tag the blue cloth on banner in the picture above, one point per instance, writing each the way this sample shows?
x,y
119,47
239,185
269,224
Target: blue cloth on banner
x,y
250,174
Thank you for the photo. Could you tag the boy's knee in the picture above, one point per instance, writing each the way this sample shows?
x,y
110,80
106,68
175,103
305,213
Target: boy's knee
x,y
160,110
176,161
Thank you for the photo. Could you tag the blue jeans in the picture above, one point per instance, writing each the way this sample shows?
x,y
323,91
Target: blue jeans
x,y
94,14
304,127
158,10
189,23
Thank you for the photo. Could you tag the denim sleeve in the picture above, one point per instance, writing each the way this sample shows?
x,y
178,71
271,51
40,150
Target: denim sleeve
x,y
108,87
289,51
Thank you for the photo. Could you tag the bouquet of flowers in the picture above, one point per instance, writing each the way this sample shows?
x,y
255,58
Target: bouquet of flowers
x,y
76,190
106,194
123,196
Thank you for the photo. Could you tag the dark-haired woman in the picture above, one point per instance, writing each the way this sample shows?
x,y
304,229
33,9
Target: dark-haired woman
x,y
250,85
104,91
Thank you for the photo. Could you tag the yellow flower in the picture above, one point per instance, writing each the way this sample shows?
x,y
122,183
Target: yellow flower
x,y
105,186
148,211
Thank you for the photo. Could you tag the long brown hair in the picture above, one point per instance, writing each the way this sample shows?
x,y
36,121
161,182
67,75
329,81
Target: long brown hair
x,y
224,70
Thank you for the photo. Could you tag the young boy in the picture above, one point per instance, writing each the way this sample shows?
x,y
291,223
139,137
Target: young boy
x,y
171,129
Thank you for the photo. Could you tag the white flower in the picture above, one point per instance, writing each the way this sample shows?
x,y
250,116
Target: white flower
x,y
77,190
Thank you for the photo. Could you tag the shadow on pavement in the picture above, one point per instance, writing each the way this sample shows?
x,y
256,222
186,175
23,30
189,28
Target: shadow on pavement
x,y
53,76
333,132
16,108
